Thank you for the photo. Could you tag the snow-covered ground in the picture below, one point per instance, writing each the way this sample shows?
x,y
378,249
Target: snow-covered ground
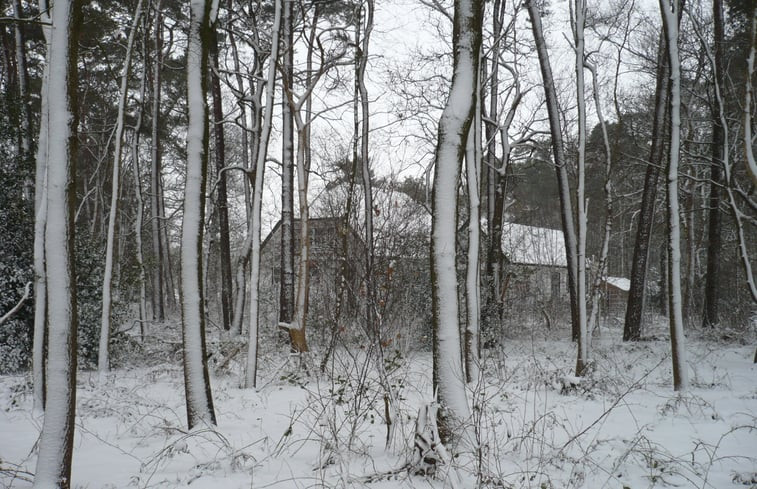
x,y
621,427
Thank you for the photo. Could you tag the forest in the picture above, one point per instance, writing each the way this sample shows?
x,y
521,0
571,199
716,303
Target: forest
x,y
394,244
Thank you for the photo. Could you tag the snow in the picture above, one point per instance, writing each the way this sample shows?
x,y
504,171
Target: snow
x,y
621,426
621,283
58,426
197,391
530,245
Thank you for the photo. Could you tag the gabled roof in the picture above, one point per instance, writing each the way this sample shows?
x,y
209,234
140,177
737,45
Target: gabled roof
x,y
398,220
530,245
621,283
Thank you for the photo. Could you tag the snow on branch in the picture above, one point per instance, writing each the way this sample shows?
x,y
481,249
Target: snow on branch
x,y
9,314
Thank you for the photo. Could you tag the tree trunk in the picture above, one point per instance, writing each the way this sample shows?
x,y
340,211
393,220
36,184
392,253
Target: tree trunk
x,y
40,222
495,191
677,339
257,197
139,221
158,309
579,20
601,273
103,359
367,184
472,279
561,165
299,321
243,260
286,279
196,378
636,295
25,153
750,161
455,122
56,440
221,199
714,244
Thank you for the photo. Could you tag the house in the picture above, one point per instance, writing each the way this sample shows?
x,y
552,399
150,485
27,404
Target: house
x,y
536,272
401,229
615,295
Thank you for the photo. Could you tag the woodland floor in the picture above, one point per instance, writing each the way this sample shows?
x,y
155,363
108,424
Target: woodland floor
x,y
621,427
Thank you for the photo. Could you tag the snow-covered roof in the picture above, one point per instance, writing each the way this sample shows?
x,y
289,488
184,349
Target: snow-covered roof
x,y
621,283
530,245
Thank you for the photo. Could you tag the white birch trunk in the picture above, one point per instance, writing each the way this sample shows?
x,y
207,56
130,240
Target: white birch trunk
x,y
257,197
103,358
196,378
680,373
448,372
297,327
56,441
579,20
367,184
602,266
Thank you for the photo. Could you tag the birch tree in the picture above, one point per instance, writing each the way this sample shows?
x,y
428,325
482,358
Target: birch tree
x,y
670,11
196,377
454,125
578,20
56,440
103,359
251,142
257,197
601,272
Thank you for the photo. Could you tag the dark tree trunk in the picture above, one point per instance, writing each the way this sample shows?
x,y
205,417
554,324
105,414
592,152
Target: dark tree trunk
x,y
158,309
561,165
495,196
286,278
712,284
636,299
221,198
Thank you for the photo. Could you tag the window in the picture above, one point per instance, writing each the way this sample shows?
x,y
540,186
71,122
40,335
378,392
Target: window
x,y
555,285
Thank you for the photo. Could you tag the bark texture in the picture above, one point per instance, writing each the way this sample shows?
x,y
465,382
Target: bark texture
x,y
632,328
454,125
196,379
561,164
56,441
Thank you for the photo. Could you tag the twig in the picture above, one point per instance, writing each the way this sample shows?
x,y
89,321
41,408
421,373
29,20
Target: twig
x,y
613,406
20,303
